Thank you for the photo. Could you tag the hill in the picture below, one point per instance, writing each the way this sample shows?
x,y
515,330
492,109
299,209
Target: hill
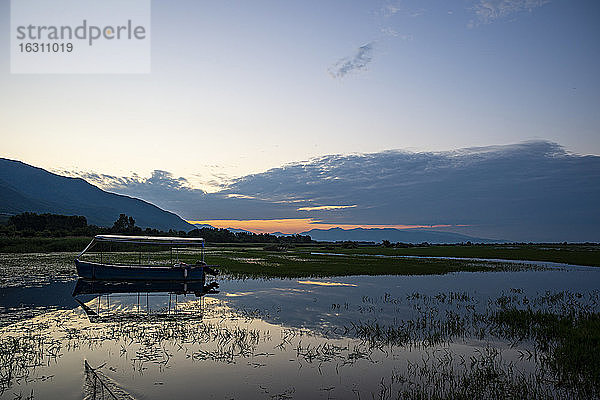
x,y
27,188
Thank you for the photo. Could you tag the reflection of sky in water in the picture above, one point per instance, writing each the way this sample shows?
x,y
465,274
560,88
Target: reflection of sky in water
x,y
315,306
259,338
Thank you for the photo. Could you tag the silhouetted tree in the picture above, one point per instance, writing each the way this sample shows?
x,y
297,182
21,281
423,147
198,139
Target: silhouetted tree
x,y
125,224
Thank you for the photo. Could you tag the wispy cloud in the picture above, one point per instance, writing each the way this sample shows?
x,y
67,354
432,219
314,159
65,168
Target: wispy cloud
x,y
326,283
159,180
357,62
239,196
391,32
488,11
391,8
325,208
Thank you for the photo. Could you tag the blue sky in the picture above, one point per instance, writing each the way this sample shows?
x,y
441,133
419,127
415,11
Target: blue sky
x,y
244,87
238,87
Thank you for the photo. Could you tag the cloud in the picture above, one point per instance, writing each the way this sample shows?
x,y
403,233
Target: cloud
x,y
357,62
391,32
391,9
528,191
162,188
488,11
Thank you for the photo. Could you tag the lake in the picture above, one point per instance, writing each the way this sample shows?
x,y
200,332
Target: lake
x,y
353,337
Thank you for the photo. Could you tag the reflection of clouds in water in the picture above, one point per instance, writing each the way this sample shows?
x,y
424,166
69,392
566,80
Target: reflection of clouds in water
x,y
240,343
239,294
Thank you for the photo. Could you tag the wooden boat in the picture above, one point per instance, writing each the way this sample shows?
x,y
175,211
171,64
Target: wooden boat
x,y
103,261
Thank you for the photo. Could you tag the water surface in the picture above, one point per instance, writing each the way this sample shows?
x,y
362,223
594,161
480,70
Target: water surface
x,y
275,338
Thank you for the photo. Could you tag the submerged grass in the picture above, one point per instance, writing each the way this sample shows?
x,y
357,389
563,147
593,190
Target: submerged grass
x,y
42,244
558,330
302,263
570,342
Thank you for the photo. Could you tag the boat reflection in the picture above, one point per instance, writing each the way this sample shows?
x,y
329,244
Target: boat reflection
x,y
110,301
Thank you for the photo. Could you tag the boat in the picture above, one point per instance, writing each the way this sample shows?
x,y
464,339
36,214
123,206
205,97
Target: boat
x,y
147,258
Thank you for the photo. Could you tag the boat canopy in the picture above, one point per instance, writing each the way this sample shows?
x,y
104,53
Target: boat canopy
x,y
153,240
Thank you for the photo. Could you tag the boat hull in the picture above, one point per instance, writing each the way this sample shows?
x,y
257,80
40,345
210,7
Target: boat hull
x,y
91,270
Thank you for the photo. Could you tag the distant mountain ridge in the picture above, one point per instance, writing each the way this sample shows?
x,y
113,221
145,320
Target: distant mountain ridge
x,y
27,188
393,235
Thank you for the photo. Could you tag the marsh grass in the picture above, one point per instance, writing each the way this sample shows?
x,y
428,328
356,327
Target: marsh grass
x,y
545,346
559,331
248,263
570,343
23,270
484,375
42,244
23,350
576,254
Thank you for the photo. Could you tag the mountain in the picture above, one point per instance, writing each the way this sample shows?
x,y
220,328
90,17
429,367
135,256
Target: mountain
x,y
234,230
393,235
27,188
200,226
282,234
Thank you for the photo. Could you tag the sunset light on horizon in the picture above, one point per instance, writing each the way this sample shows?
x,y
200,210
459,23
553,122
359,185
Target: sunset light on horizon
x,y
296,225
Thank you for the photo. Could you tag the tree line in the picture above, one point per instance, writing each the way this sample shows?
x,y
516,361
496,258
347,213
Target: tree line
x,y
30,224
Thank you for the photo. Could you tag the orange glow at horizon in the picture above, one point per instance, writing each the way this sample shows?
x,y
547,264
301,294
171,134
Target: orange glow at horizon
x,y
294,225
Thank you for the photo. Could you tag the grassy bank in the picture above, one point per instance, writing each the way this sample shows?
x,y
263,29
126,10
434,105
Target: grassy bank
x,y
42,244
334,260
577,254
311,262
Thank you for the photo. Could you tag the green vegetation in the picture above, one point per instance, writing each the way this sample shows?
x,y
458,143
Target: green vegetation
x,y
42,244
263,255
558,331
577,254
307,261
570,340
291,261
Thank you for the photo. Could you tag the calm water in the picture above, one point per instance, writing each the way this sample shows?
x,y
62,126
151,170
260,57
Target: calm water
x,y
273,339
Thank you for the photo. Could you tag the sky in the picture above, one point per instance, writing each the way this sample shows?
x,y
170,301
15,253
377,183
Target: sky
x,y
239,87
243,87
